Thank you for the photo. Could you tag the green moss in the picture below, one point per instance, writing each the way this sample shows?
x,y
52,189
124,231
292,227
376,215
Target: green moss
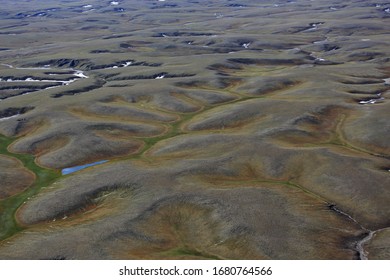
x,y
9,206
173,131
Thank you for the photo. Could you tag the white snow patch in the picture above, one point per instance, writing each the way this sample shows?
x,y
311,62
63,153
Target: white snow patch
x,y
372,101
321,42
127,63
7,118
7,65
317,58
80,74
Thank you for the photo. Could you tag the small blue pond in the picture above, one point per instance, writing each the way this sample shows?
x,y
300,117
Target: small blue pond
x,y
70,170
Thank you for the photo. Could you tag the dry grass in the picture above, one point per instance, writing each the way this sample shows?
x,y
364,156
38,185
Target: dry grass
x,y
230,133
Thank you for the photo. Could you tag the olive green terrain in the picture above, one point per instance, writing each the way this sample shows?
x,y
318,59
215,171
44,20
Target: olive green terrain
x,y
229,129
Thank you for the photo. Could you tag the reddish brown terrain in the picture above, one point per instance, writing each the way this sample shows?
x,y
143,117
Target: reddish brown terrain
x,y
210,129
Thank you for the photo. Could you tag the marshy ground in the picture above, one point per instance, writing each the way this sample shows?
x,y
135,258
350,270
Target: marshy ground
x,y
223,129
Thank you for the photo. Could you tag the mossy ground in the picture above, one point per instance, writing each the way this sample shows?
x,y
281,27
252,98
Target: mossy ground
x,y
9,206
251,142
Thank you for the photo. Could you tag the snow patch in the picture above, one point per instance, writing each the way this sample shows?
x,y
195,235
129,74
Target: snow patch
x,y
7,118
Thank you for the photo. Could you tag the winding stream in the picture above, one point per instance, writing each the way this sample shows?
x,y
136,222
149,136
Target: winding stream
x,y
363,255
359,246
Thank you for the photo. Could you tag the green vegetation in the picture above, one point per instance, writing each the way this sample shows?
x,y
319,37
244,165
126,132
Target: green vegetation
x,y
229,128
9,206
174,129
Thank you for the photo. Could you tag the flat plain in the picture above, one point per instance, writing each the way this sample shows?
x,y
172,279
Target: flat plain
x,y
229,129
